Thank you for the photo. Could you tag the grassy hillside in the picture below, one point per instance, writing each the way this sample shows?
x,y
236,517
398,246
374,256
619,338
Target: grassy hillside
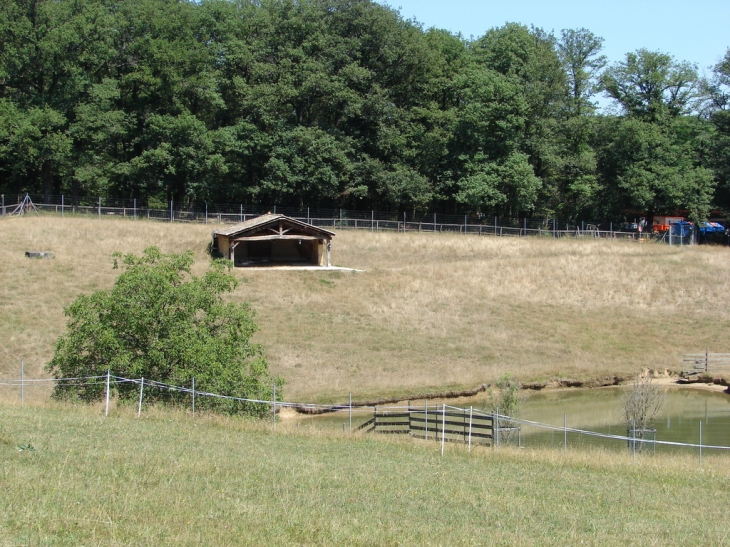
x,y
429,311
71,477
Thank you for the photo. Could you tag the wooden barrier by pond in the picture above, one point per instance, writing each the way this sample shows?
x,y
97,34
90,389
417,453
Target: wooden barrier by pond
x,y
439,422
699,363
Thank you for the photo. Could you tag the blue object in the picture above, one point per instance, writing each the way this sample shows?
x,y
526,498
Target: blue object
x,y
681,229
711,228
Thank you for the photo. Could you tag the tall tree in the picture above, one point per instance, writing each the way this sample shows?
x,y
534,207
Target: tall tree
x,y
652,85
579,51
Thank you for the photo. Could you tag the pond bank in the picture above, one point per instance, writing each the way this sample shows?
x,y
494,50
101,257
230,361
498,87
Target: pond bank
x,y
664,378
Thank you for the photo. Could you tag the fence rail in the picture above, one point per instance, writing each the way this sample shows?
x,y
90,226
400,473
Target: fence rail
x,y
442,423
339,219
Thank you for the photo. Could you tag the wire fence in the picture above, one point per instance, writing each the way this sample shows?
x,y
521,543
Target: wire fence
x,y
335,218
448,423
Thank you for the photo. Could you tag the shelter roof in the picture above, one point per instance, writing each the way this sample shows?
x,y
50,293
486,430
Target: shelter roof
x,y
254,225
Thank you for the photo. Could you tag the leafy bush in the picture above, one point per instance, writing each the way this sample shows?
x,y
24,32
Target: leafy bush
x,y
161,323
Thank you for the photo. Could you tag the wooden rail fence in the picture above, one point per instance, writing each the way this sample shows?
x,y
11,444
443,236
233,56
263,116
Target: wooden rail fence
x,y
436,423
700,363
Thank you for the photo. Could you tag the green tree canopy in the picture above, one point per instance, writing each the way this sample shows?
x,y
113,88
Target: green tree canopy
x,y
161,323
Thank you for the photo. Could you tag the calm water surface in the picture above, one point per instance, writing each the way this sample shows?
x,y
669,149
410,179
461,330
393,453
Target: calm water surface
x,y
600,410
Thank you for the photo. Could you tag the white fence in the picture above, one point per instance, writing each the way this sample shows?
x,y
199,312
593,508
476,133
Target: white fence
x,y
501,424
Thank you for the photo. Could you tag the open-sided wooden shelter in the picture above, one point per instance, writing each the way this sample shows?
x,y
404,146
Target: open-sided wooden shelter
x,y
274,239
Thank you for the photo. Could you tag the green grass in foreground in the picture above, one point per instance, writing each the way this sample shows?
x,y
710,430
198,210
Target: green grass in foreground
x,y
166,479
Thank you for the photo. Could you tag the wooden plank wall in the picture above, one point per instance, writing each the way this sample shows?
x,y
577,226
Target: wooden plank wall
x,y
700,363
430,423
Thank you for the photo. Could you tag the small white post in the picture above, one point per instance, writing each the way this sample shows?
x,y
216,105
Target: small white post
x,y
206,212
99,208
633,439
172,215
22,382
134,208
565,432
426,407
61,205
495,425
308,221
443,430
141,389
273,406
351,413
193,394
108,378
240,216
700,444
471,415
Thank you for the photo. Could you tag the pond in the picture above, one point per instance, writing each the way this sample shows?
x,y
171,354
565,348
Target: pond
x,y
600,410
597,410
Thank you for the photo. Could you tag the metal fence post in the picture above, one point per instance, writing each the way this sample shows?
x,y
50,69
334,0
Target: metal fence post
x,y
495,428
565,432
700,444
443,430
273,406
471,415
108,377
193,395
22,382
633,439
351,413
99,208
61,205
426,412
141,389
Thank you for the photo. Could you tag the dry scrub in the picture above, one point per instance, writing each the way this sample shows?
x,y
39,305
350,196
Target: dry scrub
x,y
430,311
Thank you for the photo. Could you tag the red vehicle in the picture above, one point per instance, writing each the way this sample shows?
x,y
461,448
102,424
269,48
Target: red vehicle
x,y
663,223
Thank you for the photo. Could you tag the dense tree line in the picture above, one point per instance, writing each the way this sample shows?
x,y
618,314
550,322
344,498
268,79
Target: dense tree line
x,y
344,103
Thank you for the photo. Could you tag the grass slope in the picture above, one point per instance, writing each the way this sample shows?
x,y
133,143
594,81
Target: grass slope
x,y
166,479
430,311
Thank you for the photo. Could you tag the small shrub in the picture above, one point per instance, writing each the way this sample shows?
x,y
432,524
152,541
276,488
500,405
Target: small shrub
x,y
163,324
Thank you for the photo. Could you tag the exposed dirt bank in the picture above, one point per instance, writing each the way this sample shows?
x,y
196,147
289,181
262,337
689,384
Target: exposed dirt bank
x,y
664,378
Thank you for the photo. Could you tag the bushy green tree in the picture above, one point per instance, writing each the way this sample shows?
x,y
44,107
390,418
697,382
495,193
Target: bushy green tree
x,y
163,324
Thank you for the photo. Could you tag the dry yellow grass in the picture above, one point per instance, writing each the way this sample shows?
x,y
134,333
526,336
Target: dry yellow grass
x,y
429,311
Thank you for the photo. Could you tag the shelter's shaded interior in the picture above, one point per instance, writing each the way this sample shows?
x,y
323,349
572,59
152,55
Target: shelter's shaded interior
x,y
273,251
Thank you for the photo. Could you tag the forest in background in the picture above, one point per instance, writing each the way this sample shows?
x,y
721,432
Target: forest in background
x,y
344,103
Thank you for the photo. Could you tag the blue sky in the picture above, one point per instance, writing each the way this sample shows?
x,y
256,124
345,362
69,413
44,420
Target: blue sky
x,y
698,31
